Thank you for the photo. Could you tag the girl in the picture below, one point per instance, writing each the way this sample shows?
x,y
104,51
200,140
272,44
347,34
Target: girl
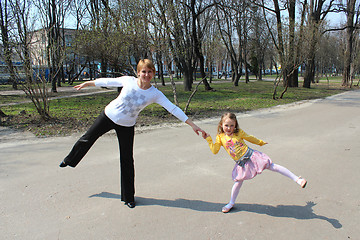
x,y
249,162
121,115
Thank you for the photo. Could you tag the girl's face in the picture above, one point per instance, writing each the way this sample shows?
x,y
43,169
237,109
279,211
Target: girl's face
x,y
228,126
146,74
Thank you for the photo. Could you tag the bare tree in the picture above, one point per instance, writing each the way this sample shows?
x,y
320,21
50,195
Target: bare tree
x,y
352,12
318,10
214,50
259,41
116,36
53,13
133,18
285,38
176,19
328,55
159,45
356,62
72,54
199,26
5,25
35,84
233,24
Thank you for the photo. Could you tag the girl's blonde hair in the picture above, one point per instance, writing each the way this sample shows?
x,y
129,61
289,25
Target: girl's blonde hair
x,y
145,63
231,116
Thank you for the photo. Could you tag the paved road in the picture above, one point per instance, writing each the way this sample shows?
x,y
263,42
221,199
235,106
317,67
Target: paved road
x,y
181,186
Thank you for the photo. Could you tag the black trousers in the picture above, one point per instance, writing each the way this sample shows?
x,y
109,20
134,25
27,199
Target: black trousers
x,y
125,137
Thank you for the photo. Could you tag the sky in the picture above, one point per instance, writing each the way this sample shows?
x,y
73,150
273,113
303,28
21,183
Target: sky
x,y
336,19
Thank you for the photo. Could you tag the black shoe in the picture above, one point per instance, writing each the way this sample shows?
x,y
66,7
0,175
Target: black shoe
x,y
63,164
130,204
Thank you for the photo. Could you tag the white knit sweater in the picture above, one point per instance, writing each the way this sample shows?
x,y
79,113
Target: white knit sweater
x,y
125,109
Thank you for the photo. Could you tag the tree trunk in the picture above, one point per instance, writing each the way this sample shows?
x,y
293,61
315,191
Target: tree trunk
x,y
237,77
4,23
159,57
197,46
246,72
292,77
260,74
349,42
188,78
314,19
103,67
309,75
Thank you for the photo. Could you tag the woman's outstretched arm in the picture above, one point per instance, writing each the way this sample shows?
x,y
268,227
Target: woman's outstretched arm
x,y
85,84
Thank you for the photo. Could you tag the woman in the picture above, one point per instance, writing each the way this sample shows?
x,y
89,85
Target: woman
x,y
121,115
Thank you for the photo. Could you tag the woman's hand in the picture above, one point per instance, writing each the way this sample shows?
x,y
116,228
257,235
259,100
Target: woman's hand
x,y
195,127
84,84
203,133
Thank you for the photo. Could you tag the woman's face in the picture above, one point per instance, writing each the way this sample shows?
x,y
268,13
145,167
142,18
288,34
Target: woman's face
x,y
146,74
228,126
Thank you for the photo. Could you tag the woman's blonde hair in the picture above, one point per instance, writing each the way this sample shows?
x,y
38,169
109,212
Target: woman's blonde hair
x,y
145,63
231,116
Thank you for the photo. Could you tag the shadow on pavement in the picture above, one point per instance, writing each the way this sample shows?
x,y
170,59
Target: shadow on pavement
x,y
288,211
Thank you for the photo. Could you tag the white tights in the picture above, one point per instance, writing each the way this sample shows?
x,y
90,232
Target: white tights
x,y
273,167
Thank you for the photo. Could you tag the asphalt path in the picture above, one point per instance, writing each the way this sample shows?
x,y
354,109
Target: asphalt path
x,y
181,186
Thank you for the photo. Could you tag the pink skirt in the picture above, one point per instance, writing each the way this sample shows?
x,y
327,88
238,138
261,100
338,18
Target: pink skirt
x,y
257,163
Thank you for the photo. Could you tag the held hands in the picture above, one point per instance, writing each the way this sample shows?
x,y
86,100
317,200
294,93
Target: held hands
x,y
195,127
205,135
197,130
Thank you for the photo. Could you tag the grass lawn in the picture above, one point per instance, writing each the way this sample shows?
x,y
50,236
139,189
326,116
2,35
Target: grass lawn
x,y
74,114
